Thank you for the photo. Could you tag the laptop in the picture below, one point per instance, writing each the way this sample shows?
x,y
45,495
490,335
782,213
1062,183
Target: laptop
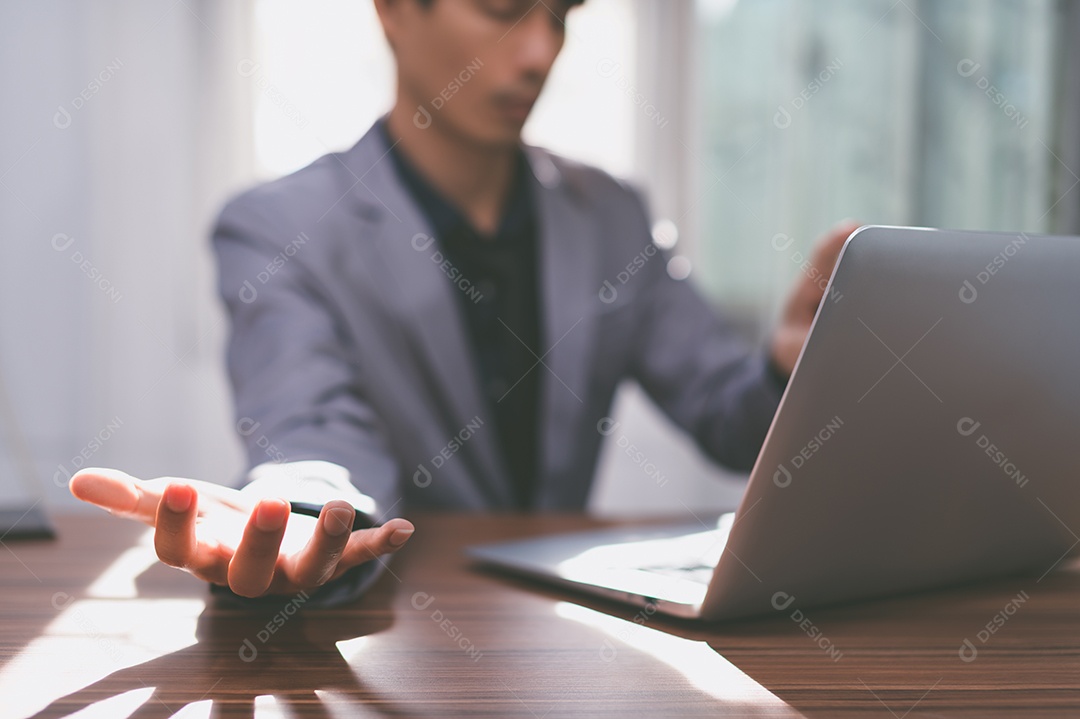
x,y
926,438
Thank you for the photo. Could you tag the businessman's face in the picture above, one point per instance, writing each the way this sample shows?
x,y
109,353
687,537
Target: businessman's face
x,y
474,67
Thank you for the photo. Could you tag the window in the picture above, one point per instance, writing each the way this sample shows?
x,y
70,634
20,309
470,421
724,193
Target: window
x,y
322,73
888,111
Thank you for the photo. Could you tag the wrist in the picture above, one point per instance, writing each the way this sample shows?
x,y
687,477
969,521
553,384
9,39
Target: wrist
x,y
776,370
307,481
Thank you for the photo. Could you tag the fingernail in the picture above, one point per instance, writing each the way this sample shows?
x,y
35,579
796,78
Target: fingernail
x,y
400,536
178,499
269,516
338,521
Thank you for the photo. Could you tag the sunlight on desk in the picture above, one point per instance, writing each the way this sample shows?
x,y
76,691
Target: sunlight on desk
x,y
100,629
699,663
92,638
118,581
350,648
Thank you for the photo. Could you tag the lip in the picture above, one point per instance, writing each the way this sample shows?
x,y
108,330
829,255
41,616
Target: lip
x,y
516,108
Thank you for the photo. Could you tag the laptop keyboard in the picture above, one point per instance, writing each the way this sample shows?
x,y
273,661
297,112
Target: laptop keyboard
x,y
697,573
677,568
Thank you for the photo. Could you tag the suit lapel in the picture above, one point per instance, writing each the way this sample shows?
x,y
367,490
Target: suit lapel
x,y
569,284
418,288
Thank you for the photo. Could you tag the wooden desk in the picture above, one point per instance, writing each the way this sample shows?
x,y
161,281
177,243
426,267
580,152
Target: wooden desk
x,y
85,623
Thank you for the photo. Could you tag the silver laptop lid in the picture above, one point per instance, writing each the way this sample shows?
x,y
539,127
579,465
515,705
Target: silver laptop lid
x,y
928,434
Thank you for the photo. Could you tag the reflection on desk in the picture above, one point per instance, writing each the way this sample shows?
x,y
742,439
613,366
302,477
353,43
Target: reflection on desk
x,y
93,623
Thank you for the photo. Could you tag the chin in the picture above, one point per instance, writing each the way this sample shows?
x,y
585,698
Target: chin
x,y
491,130
504,133
493,138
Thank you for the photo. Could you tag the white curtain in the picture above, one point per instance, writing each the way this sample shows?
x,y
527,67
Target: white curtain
x,y
127,125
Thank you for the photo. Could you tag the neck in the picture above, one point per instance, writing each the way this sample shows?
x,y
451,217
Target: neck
x,y
474,176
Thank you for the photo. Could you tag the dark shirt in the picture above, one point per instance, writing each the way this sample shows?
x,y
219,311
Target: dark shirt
x,y
496,283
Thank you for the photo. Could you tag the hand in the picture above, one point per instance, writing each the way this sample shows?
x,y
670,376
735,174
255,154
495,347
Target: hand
x,y
253,545
802,303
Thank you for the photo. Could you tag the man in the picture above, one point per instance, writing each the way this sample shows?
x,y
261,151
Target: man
x,y
435,318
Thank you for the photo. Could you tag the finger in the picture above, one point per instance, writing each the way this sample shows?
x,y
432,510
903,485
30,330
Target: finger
x,y
117,492
810,289
252,566
174,533
828,250
316,562
370,543
231,498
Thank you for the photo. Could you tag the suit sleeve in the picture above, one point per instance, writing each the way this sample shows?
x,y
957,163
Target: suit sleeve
x,y
307,431
692,362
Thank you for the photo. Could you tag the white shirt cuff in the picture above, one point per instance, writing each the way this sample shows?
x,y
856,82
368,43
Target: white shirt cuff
x,y
315,481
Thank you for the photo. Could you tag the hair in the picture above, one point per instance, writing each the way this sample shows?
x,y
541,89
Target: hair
x,y
427,3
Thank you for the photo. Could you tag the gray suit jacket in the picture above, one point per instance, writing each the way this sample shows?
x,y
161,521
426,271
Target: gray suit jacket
x,y
347,344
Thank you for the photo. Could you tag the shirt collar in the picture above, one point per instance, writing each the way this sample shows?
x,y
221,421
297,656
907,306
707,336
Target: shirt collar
x,y
445,217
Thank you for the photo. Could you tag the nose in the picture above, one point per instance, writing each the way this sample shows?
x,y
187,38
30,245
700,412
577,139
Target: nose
x,y
537,39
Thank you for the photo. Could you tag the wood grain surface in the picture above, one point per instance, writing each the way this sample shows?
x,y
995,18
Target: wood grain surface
x,y
91,622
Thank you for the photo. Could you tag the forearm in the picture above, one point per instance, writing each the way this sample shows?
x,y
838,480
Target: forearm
x,y
740,410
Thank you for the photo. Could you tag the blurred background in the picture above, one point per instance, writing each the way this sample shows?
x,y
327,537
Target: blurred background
x,y
752,126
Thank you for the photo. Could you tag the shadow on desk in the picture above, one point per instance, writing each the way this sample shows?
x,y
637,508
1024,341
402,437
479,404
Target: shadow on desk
x,y
434,637
993,648
241,654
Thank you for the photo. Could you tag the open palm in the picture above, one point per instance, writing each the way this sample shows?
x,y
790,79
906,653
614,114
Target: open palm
x,y
252,545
